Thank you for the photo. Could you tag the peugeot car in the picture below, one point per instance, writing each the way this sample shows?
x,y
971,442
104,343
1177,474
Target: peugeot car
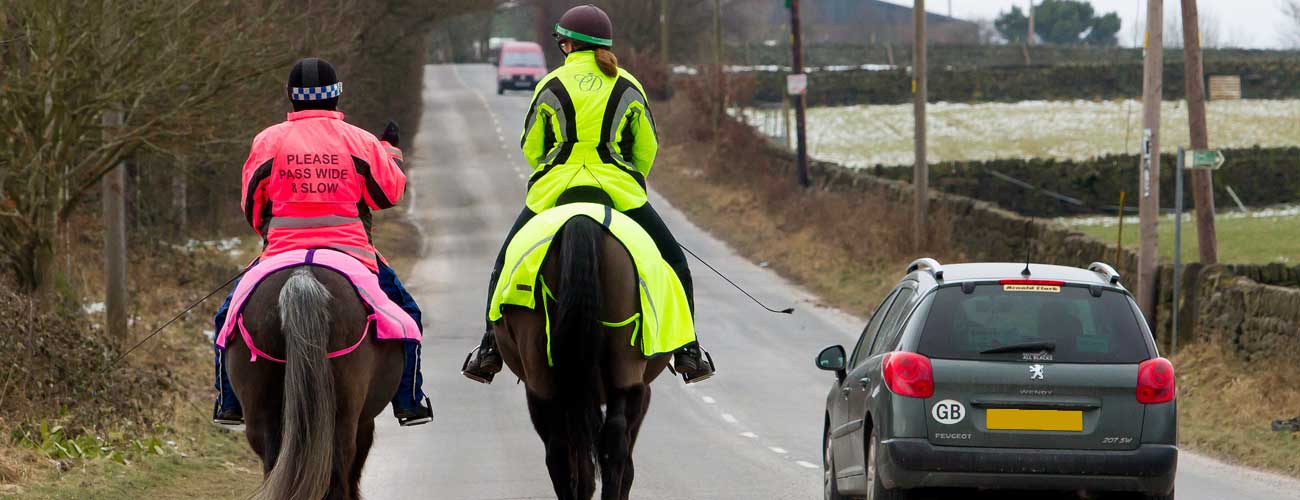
x,y
1001,376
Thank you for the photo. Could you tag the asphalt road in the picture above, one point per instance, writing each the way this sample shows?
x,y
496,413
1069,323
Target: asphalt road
x,y
752,432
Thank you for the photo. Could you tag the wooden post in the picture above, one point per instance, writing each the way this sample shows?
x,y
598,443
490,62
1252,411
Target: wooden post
x,y
1119,238
663,38
719,106
1149,164
1202,181
920,168
801,101
114,185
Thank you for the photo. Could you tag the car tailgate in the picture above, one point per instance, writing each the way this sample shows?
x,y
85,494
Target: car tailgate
x,y
1006,404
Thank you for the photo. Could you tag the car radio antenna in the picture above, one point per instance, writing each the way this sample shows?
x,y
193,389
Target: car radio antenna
x,y
1029,249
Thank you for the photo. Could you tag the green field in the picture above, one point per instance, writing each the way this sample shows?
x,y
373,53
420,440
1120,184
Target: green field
x,y
864,136
1271,235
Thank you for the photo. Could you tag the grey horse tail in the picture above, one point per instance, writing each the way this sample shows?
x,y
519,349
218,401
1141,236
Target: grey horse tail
x,y
304,465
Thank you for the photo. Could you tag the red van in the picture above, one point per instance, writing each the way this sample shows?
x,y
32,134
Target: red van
x,y
520,66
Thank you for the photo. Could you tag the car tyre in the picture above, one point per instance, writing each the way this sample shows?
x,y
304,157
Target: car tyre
x,y
875,487
1170,496
830,486
501,89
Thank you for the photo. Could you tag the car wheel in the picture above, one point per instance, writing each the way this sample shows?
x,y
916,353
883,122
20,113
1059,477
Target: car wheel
x,y
501,89
1170,496
829,485
875,487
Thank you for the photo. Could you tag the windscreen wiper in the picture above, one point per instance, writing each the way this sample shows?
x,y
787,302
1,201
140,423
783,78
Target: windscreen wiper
x,y
1042,345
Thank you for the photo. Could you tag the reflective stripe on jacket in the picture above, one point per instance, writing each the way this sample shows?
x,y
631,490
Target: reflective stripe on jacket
x,y
588,129
310,181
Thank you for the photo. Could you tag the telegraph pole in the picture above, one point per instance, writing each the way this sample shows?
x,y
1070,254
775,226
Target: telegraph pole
x,y
801,100
1202,182
114,185
920,169
1149,164
1029,34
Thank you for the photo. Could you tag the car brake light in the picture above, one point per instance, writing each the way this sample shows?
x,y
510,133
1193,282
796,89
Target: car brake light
x,y
1032,282
1155,381
908,374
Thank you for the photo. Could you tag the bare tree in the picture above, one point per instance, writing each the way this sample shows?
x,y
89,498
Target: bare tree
x,y
1290,22
180,72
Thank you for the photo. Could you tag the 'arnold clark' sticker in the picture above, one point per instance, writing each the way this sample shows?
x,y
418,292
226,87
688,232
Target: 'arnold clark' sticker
x,y
948,412
1031,288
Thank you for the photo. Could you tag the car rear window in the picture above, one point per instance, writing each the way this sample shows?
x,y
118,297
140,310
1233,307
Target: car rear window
x,y
1084,328
525,59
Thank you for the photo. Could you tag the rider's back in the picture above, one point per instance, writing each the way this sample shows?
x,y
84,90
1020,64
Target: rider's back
x,y
586,128
309,181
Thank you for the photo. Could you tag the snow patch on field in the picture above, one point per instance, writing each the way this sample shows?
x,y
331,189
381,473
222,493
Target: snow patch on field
x,y
869,135
228,245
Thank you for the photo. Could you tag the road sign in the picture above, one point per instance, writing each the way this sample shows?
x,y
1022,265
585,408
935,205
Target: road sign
x,y
1204,159
796,84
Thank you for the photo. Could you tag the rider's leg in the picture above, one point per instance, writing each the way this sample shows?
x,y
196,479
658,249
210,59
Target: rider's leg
x,y
410,405
689,361
484,362
227,410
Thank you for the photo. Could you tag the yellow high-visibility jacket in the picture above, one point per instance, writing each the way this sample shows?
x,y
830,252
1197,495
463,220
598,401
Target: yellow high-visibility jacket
x,y
588,129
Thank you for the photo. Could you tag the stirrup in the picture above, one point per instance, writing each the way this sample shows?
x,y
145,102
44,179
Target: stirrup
x,y
712,369
482,378
423,414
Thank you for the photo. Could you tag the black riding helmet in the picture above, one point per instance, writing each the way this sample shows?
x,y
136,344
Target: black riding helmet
x,y
586,24
314,85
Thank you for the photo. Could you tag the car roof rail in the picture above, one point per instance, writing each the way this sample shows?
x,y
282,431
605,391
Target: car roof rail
x,y
927,264
1105,270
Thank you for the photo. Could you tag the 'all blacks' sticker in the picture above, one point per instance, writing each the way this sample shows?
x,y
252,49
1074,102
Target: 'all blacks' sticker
x,y
948,412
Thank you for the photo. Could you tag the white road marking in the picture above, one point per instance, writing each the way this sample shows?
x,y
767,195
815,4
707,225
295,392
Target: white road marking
x,y
709,400
777,450
749,435
807,465
729,418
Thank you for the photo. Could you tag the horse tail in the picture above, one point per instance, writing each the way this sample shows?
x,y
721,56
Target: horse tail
x,y
304,465
578,339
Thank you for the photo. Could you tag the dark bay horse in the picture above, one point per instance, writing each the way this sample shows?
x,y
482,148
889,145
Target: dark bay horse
x,y
312,419
594,282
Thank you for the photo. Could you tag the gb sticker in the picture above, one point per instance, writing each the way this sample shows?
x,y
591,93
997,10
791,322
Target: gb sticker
x,y
948,412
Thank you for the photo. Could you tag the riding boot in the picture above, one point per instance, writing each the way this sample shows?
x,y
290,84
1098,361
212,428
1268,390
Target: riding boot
x,y
484,362
410,405
693,364
227,410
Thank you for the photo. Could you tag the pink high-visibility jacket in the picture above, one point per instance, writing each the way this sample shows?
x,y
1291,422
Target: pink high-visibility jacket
x,y
309,181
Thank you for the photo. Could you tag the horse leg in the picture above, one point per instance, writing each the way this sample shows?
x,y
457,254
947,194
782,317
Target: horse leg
x,y
638,399
613,446
365,438
549,425
345,451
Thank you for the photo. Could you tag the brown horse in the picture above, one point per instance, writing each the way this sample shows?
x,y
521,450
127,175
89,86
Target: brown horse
x,y
312,419
593,363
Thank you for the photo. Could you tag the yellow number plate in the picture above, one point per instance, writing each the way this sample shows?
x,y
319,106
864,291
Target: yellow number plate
x,y
1034,420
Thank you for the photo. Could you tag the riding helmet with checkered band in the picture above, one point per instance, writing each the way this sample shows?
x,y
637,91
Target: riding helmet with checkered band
x,y
314,85
587,24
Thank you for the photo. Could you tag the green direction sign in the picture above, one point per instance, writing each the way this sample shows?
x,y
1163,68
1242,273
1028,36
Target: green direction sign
x,y
1203,159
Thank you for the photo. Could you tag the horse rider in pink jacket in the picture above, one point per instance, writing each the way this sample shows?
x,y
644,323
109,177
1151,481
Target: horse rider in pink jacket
x,y
311,182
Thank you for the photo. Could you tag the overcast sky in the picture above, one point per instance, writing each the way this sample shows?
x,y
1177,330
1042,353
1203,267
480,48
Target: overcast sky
x,y
1242,23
